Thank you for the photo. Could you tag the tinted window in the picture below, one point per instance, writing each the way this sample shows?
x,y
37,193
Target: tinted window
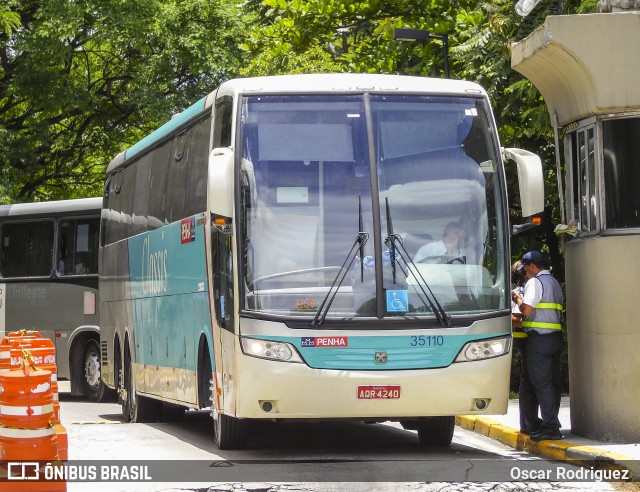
x,y
158,187
621,147
222,122
177,179
27,249
187,182
141,195
196,199
78,247
162,186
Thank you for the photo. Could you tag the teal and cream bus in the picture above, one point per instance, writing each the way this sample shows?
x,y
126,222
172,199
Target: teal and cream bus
x,y
49,283
259,256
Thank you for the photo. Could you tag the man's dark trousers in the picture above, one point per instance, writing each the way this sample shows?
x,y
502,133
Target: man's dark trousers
x,y
527,401
544,364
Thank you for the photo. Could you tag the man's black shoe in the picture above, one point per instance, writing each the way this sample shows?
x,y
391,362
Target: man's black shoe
x,y
525,431
545,436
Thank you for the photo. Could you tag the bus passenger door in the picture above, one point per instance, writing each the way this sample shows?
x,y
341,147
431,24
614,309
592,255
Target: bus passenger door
x,y
223,307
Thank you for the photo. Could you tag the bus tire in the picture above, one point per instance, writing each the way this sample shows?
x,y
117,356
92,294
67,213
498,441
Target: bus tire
x,y
136,408
94,388
436,431
230,432
126,392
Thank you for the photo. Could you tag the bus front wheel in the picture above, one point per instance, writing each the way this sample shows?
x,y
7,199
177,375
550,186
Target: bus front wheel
x,y
436,431
230,432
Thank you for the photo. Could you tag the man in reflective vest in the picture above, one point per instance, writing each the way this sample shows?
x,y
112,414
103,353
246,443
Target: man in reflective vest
x,y
528,402
541,307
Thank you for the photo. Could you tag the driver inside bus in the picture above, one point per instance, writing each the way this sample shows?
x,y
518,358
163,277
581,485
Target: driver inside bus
x,y
451,244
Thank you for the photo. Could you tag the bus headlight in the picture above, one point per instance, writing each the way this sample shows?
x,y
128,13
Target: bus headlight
x,y
267,349
484,349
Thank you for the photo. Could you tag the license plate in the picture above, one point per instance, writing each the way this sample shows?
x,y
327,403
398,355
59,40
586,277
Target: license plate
x,y
386,392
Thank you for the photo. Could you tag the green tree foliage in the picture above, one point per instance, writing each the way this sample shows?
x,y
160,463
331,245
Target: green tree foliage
x,y
355,36
9,22
81,80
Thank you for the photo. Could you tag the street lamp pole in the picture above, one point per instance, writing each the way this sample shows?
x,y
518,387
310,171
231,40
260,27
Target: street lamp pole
x,y
423,36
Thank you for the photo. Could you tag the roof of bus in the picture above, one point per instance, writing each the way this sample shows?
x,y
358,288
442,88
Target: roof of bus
x,y
348,82
53,207
304,84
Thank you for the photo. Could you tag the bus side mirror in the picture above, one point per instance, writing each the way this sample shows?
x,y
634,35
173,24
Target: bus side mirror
x,y
530,180
221,181
531,183
530,222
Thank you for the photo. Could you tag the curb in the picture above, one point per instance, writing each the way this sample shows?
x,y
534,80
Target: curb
x,y
553,450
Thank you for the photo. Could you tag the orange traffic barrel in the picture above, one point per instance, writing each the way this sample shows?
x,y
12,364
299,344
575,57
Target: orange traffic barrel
x,y
28,444
63,442
56,409
8,341
5,354
27,432
23,334
26,400
42,354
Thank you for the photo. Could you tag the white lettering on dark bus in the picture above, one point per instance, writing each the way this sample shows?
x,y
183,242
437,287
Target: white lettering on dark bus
x,y
154,269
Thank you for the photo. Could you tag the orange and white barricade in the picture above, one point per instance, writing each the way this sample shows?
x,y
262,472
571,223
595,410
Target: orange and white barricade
x,y
28,432
9,341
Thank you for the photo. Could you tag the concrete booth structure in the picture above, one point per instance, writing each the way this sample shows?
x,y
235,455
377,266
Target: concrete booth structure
x,y
587,68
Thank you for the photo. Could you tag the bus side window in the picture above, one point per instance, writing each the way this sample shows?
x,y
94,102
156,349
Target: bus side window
x,y
222,122
27,249
196,199
78,247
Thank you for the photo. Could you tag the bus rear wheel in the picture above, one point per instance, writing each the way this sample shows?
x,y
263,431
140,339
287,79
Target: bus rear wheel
x,y
92,380
436,431
126,388
136,408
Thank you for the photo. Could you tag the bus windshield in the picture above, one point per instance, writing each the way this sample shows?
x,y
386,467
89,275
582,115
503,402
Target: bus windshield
x,y
418,175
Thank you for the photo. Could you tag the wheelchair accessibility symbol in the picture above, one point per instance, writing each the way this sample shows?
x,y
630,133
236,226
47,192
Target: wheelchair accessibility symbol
x,y
397,301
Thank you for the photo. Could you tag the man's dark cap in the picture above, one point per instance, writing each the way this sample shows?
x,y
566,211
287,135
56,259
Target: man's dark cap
x,y
531,257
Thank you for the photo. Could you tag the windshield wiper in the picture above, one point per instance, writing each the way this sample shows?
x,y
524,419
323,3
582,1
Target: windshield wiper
x,y
358,246
362,242
394,242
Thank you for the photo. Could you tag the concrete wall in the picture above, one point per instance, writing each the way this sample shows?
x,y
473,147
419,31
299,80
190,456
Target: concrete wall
x,y
603,323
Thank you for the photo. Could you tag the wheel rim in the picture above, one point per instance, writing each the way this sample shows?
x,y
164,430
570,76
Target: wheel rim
x,y
131,397
92,369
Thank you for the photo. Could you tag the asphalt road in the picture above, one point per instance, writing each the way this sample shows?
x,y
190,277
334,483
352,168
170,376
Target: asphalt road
x,y
340,456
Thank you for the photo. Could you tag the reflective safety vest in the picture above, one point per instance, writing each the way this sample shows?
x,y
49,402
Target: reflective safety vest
x,y
518,333
547,314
